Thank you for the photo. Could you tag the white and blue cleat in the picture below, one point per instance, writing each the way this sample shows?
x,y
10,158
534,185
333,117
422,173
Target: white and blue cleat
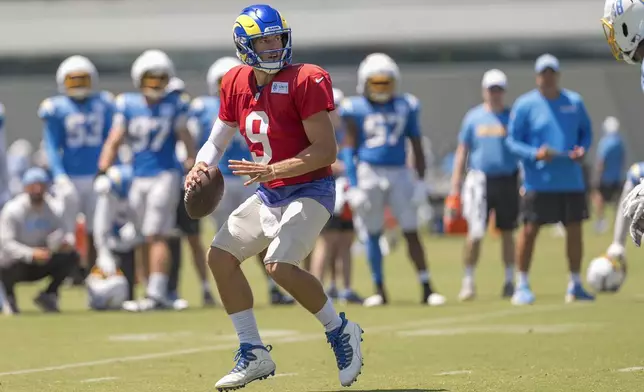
x,y
576,293
253,363
522,295
345,342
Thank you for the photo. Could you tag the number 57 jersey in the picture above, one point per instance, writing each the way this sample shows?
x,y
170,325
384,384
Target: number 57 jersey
x,y
270,118
383,128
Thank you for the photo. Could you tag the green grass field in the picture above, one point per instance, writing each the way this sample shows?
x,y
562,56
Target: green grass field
x,y
486,345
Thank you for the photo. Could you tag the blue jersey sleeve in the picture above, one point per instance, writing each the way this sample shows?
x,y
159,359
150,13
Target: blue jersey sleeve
x,y
602,149
465,134
585,127
518,132
53,137
412,129
110,110
348,153
195,116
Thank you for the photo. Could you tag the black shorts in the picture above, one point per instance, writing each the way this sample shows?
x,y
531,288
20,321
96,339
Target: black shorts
x,y
553,207
186,224
337,223
503,197
610,192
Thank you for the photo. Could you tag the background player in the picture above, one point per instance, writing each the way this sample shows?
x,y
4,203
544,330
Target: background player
x,y
186,227
492,181
76,124
202,116
378,122
333,248
151,121
115,233
282,110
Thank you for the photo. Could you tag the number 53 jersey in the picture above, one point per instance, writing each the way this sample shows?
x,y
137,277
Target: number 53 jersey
x,y
75,131
270,118
383,128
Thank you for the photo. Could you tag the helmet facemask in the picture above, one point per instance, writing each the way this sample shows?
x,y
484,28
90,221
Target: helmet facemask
x,y
78,85
380,88
154,83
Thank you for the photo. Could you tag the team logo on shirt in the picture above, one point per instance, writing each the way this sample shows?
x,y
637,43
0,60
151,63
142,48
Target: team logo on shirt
x,y
279,88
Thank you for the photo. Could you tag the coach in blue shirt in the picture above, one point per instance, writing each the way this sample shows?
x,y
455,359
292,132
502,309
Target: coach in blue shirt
x,y
550,131
492,179
609,169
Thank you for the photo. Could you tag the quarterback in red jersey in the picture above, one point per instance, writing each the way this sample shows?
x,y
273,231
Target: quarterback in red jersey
x,y
282,110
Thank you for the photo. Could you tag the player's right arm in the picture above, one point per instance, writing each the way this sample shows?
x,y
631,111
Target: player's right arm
x,y
53,137
222,132
116,136
460,157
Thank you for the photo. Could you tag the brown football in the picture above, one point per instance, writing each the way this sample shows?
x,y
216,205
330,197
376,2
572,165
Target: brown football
x,y
204,198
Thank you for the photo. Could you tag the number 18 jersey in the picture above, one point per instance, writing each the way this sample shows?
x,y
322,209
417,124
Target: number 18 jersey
x,y
270,118
383,128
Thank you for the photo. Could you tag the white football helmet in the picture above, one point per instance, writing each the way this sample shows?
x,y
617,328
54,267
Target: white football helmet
x,y
152,72
338,96
606,273
624,28
378,77
76,76
217,71
176,84
106,292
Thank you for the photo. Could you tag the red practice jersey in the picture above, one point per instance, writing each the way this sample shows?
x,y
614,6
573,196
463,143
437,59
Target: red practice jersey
x,y
271,119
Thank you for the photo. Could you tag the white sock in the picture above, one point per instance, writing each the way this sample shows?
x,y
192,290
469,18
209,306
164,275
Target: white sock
x,y
246,327
522,278
329,317
469,272
205,286
509,273
423,276
157,285
574,279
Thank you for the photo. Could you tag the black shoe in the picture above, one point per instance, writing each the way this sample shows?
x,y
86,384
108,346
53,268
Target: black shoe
x,y
47,302
277,298
508,290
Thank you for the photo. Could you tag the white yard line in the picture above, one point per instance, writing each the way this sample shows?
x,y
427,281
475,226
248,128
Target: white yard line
x,y
453,373
290,339
285,375
101,379
631,369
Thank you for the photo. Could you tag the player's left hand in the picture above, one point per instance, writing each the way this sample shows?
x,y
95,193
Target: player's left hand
x,y
258,172
577,154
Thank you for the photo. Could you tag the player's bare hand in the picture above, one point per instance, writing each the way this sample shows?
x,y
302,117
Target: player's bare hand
x,y
577,154
192,178
545,153
41,255
258,172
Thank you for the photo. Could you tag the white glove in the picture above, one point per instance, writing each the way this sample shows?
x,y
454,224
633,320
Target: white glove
x,y
64,186
421,191
357,199
102,185
615,250
106,263
633,207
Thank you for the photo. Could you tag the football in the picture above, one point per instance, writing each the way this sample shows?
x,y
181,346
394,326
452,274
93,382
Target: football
x,y
606,274
204,198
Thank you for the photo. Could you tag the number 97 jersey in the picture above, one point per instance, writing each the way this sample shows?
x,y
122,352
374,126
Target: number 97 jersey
x,y
151,130
270,118
382,128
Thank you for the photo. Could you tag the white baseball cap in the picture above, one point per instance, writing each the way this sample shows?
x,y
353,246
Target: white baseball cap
x,y
494,78
546,61
611,124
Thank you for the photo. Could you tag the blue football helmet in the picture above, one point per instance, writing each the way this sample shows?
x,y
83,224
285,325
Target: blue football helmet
x,y
261,20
